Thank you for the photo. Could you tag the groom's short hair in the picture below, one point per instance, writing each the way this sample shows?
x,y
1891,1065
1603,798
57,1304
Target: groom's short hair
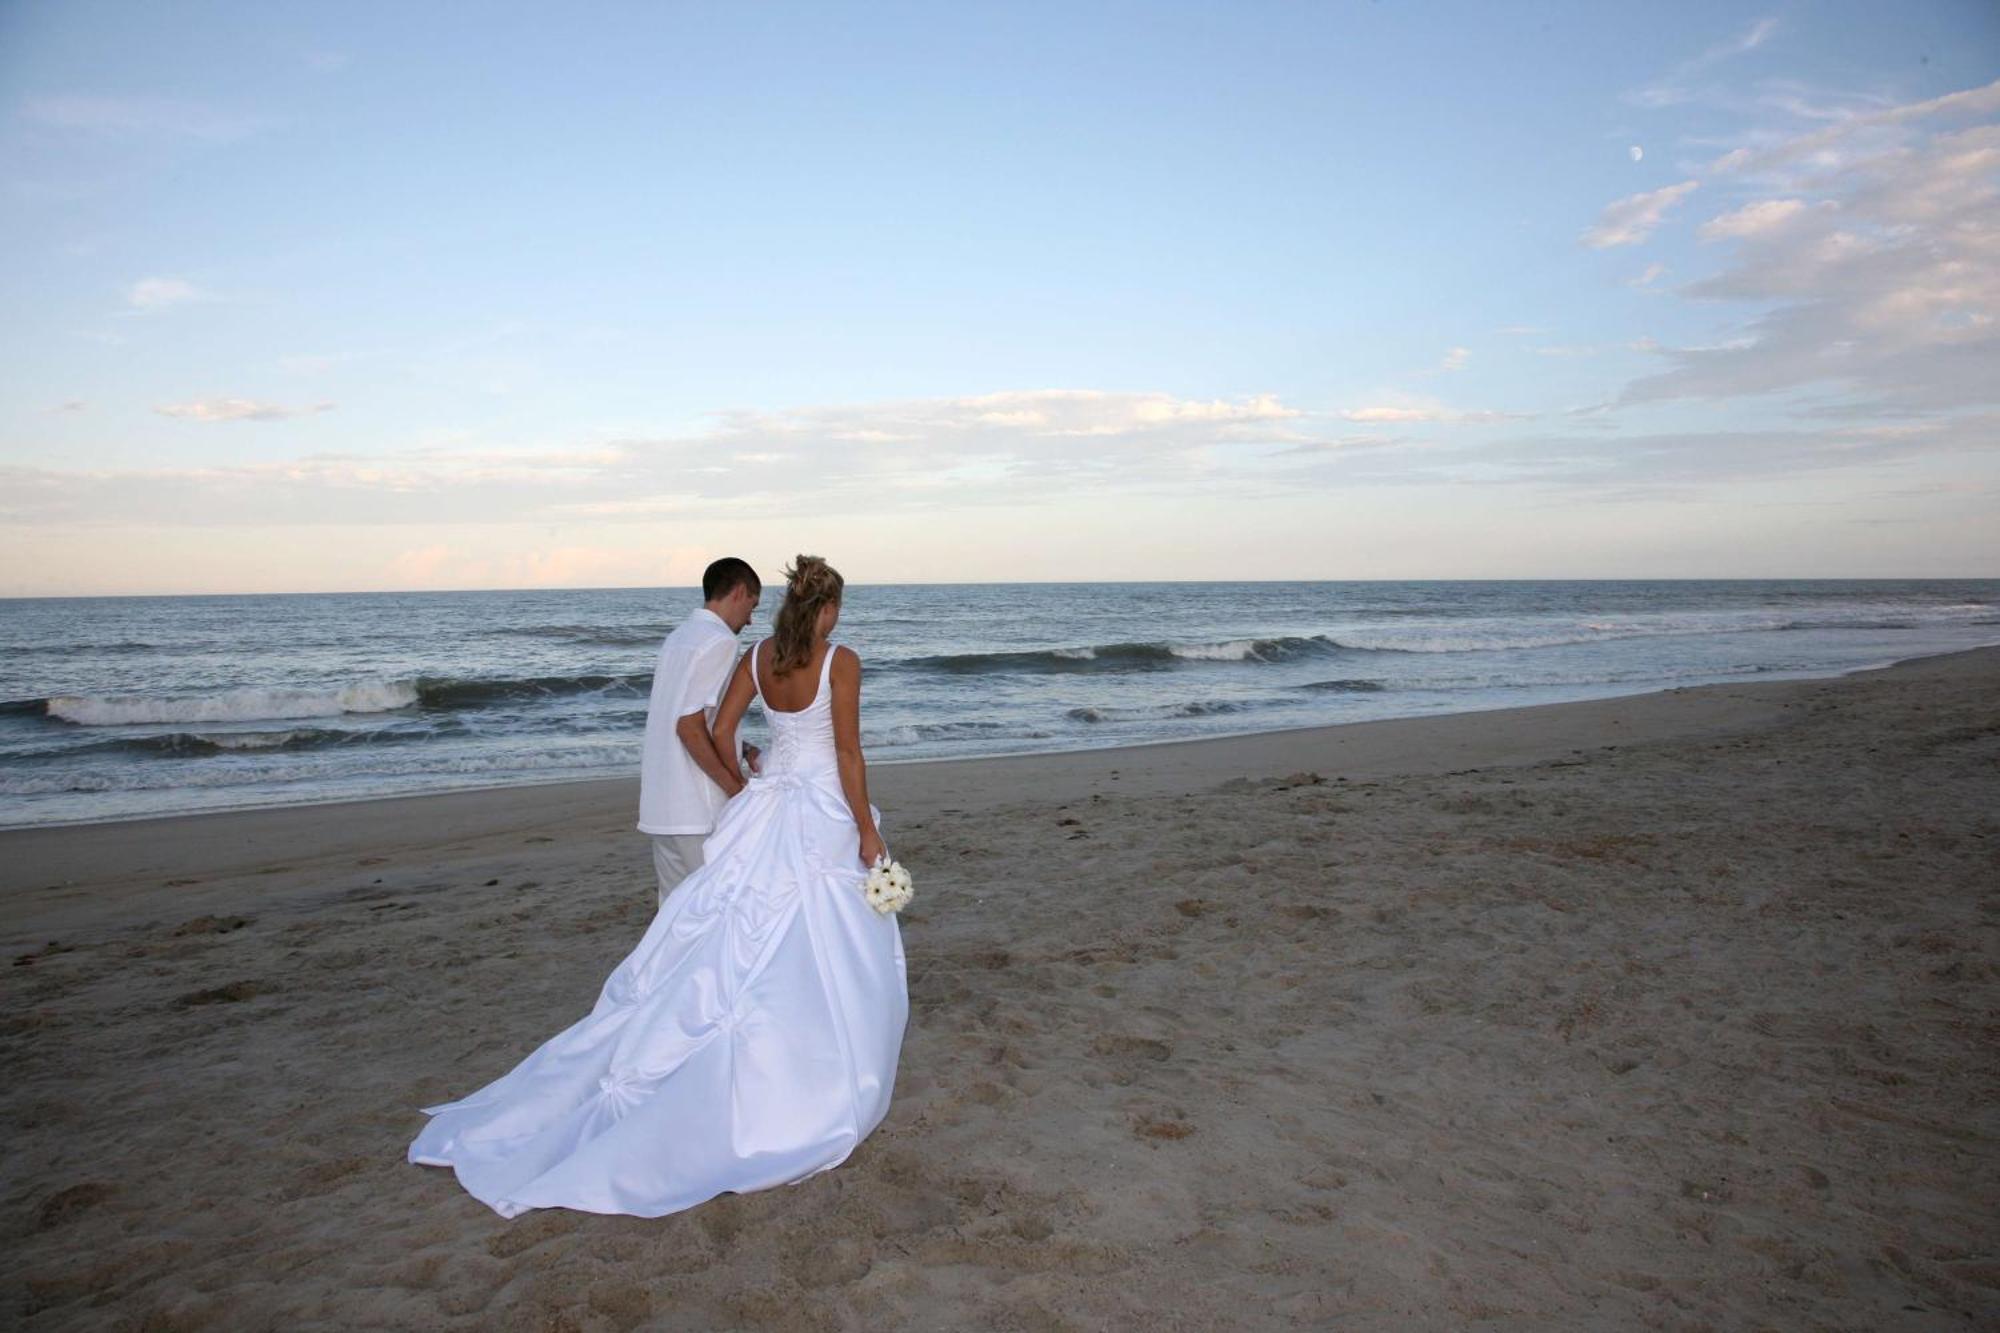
x,y
726,576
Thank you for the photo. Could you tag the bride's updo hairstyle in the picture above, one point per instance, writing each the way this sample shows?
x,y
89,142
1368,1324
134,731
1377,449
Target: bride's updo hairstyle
x,y
810,583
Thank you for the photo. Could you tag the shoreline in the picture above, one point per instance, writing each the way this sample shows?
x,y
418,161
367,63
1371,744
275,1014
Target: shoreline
x,y
971,759
71,856
529,711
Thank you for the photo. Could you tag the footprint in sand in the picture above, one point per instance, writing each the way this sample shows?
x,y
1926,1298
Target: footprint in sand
x,y
1158,1128
1131,1048
235,992
211,925
67,1204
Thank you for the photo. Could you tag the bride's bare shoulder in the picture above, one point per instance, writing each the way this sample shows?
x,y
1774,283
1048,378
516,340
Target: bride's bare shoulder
x,y
845,660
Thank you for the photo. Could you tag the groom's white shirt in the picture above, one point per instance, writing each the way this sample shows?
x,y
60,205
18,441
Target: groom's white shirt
x,y
675,796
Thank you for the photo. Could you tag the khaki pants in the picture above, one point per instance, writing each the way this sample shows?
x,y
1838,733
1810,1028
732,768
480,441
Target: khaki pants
x,y
675,857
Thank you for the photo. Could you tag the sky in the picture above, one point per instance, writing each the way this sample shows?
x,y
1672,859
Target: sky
x,y
341,297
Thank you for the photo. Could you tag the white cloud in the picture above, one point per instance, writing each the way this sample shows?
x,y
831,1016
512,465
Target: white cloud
x,y
1042,418
1407,410
1762,217
237,409
1797,100
1632,219
1752,38
1455,359
159,293
1674,88
855,459
1649,275
1394,414
784,469
451,565
1864,132
1705,460
1877,258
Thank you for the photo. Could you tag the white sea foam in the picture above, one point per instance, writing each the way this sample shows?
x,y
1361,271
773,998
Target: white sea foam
x,y
249,740
1156,712
251,703
282,769
47,784
1253,650
1501,635
1236,650
918,733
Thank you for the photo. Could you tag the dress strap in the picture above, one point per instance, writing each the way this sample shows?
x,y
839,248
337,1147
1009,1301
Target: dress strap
x,y
755,683
826,668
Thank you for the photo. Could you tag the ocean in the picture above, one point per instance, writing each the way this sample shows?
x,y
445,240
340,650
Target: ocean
x,y
121,707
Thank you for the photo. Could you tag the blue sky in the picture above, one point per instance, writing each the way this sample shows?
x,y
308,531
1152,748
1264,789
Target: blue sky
x,y
350,296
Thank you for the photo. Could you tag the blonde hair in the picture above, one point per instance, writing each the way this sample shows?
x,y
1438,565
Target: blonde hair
x,y
810,583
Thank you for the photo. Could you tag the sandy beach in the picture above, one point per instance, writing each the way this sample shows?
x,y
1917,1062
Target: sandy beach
x,y
1672,1011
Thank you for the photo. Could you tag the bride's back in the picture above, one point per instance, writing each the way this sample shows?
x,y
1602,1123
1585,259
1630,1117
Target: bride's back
x,y
793,691
799,708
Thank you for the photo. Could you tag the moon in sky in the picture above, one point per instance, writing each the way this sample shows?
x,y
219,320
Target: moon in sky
x,y
1636,151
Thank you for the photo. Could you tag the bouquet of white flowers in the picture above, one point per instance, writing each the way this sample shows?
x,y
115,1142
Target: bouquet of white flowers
x,y
887,887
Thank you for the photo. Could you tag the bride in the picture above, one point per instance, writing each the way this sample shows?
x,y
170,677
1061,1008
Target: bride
x,y
751,1038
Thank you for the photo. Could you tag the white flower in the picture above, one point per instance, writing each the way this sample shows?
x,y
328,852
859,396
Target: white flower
x,y
888,887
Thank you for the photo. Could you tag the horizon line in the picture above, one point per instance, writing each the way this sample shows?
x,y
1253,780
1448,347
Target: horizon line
x,y
1043,583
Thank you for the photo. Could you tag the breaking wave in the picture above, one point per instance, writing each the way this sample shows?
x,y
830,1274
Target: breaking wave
x,y
1489,636
1156,712
252,703
476,693
196,744
919,732
1126,656
265,770
263,703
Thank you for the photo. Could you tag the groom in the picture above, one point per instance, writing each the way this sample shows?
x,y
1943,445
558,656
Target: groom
x,y
683,781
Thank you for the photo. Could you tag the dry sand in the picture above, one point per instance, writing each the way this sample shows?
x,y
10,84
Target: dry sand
x,y
1675,1011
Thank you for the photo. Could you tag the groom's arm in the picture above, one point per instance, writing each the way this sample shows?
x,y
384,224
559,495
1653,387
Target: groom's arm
x,y
728,714
706,679
693,731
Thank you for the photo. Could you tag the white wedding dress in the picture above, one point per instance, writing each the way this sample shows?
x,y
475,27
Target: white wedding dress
x,y
750,1040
